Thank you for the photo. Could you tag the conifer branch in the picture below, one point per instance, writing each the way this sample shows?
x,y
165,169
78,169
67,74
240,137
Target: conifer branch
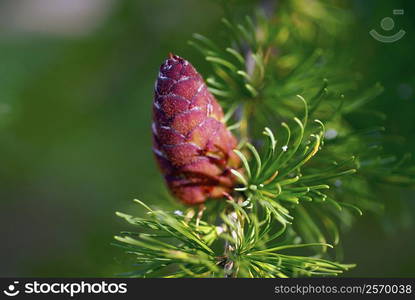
x,y
300,169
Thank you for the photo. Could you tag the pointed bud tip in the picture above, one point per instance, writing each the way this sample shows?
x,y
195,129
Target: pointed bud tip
x,y
172,56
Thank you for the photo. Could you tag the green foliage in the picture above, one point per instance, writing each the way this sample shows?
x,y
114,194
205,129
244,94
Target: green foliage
x,y
252,225
185,247
301,180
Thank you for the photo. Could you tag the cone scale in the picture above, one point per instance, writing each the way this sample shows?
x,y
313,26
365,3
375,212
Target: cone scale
x,y
191,143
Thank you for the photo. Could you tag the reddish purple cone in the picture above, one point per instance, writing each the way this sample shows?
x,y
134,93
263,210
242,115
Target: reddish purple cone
x,y
192,145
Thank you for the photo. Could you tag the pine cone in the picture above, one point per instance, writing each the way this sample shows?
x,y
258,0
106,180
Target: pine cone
x,y
192,145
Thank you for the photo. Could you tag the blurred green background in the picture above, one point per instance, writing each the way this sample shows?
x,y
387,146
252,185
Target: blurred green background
x,y
76,84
